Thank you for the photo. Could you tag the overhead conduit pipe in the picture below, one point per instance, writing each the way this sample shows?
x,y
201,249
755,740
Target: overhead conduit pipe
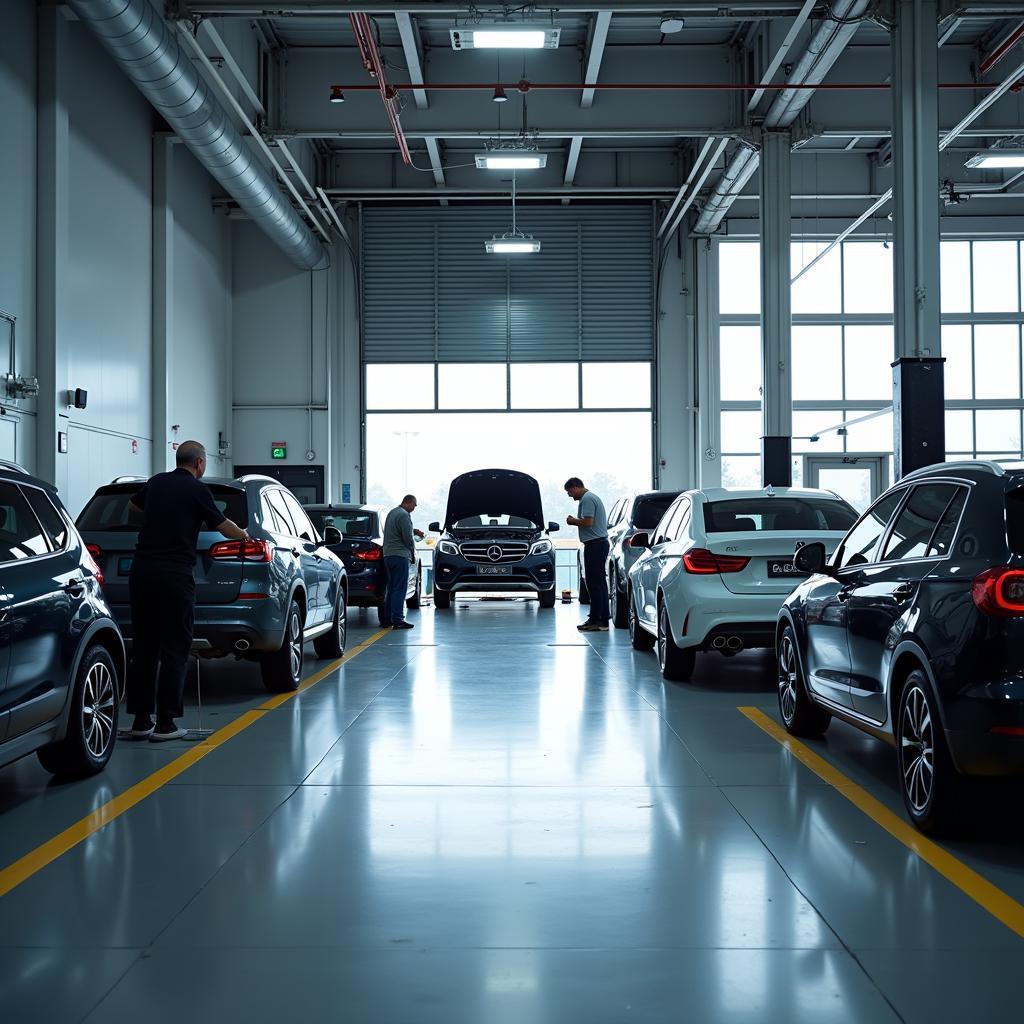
x,y
142,44
824,48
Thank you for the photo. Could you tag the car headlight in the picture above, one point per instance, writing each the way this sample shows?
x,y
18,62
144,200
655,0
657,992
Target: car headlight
x,y
446,547
540,547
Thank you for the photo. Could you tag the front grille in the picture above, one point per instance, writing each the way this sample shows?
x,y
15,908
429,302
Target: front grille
x,y
510,551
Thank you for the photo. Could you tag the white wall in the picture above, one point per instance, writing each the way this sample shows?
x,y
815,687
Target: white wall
x,y
94,278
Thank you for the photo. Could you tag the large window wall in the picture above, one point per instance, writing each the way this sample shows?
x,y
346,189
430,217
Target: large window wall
x,y
843,346
428,422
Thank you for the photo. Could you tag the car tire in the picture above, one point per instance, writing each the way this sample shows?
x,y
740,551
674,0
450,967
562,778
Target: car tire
x,y
640,639
800,715
932,788
413,602
619,609
442,599
332,645
584,589
547,598
677,663
92,720
282,669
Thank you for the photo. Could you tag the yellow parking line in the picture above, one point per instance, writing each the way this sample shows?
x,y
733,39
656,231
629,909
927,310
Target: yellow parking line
x,y
999,904
24,868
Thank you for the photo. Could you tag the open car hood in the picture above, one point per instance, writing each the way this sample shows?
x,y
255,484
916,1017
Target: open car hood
x,y
494,492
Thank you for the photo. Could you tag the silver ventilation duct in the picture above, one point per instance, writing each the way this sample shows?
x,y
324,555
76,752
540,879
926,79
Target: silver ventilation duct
x,y
135,34
824,48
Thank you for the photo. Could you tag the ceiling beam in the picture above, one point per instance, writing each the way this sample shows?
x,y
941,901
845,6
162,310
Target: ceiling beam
x,y
595,54
573,159
434,149
281,9
413,55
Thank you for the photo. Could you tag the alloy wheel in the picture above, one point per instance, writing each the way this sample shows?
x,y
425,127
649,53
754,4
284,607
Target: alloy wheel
x,y
295,645
787,680
98,709
917,749
342,625
662,636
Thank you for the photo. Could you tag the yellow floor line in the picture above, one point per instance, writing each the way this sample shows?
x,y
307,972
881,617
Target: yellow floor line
x,y
999,904
25,867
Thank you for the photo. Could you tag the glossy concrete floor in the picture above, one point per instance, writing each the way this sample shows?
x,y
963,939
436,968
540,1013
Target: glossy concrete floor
x,y
493,818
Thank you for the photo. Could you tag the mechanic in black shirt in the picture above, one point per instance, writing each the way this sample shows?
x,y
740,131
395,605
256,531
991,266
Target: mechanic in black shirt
x,y
162,590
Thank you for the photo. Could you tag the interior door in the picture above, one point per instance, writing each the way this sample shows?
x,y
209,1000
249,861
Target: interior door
x,y
860,479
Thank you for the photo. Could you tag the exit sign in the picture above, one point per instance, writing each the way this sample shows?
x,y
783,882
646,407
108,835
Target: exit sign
x,y
279,450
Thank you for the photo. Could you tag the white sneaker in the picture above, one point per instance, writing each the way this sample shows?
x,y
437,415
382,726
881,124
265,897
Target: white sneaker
x,y
163,737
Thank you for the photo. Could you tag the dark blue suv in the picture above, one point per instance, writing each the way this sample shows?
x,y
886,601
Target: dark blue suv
x,y
914,633
62,660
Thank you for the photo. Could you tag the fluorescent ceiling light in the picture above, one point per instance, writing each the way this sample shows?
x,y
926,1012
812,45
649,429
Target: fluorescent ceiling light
x,y
512,243
504,37
995,158
511,161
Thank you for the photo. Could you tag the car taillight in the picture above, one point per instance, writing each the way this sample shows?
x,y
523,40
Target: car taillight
x,y
999,591
93,554
242,551
702,562
369,554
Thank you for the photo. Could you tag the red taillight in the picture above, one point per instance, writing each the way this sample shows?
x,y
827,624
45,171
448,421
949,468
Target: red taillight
x,y
1008,730
242,551
369,554
999,591
93,554
702,562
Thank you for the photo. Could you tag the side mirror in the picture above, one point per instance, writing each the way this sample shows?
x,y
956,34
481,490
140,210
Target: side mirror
x,y
812,559
434,527
553,527
640,540
332,535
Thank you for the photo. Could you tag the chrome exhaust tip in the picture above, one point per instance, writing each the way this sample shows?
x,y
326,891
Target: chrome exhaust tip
x,y
242,646
718,643
735,644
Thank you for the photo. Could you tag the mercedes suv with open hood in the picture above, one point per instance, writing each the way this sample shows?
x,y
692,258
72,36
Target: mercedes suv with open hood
x,y
493,539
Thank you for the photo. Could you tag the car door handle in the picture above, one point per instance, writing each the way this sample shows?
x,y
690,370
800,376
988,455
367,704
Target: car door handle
x,y
903,591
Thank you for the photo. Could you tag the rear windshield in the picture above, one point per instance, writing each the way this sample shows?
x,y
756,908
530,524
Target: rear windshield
x,y
491,522
758,515
109,511
349,524
648,511
1015,520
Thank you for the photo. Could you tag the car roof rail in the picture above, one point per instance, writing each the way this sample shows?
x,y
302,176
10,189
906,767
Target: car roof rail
x,y
128,479
939,468
13,467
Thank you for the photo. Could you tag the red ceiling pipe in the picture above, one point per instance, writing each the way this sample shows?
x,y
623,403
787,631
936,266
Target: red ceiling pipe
x,y
370,56
525,86
1002,50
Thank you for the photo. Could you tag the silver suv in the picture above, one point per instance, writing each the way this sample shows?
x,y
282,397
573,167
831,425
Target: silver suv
x,y
261,599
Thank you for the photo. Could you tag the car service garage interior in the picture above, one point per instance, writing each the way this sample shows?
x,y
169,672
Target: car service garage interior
x,y
591,441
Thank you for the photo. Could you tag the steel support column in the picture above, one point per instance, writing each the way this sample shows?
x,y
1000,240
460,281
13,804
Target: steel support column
x,y
776,378
919,420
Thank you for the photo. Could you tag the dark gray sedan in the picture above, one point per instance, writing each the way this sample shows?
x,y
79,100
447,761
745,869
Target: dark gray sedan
x,y
260,599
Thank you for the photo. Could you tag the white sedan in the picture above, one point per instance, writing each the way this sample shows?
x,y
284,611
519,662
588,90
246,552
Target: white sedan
x,y
718,566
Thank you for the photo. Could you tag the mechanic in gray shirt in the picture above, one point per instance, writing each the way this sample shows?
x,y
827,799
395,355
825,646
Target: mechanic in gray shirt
x,y
592,522
399,554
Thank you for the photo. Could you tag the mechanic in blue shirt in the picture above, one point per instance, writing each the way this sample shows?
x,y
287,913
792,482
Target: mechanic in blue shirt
x,y
592,523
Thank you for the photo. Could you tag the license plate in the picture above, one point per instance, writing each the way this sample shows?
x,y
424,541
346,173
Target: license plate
x,y
124,566
494,570
782,569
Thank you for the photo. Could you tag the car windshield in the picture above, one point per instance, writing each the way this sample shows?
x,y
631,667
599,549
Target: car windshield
x,y
356,523
109,511
648,511
494,522
765,515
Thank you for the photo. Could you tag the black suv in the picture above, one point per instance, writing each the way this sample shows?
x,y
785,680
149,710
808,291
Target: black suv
x,y
62,661
915,632
494,539
361,548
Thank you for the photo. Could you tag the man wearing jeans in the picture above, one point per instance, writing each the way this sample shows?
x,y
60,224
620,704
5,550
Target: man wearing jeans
x,y
592,523
399,554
